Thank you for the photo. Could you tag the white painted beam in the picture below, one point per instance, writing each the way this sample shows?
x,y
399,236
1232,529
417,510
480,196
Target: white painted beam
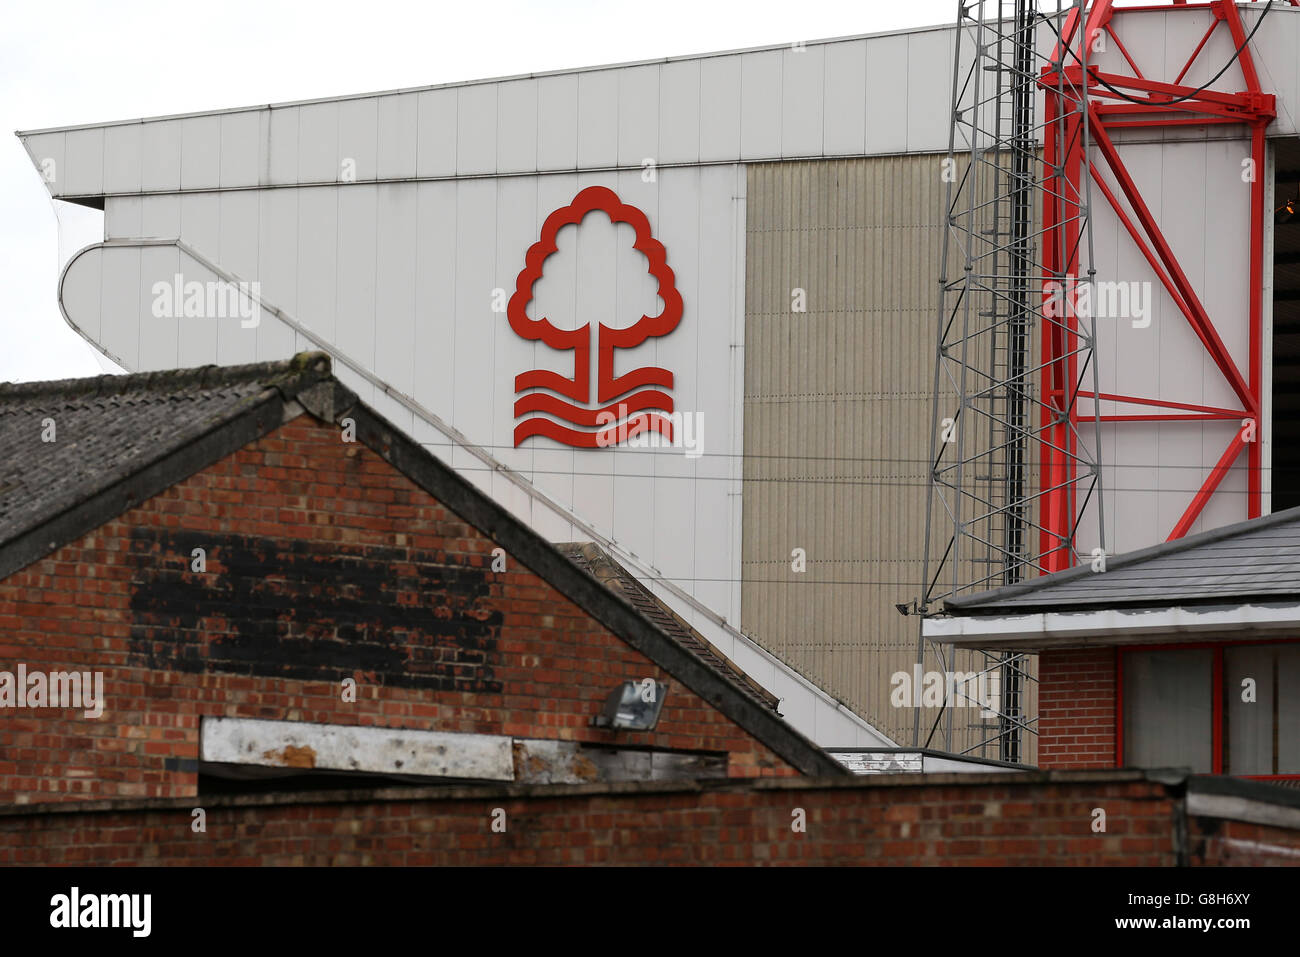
x,y
332,747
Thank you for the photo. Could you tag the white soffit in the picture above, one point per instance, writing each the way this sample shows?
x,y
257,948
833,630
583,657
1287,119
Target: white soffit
x,y
1111,626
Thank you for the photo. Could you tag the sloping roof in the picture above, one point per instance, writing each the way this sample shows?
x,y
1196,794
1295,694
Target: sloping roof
x,y
107,428
120,440
1252,561
601,565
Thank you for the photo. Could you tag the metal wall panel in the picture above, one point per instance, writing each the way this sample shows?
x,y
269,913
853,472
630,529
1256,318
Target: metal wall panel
x,y
159,338
122,159
401,278
398,136
83,166
719,108
878,94
887,102
679,110
638,102
476,129
359,138
241,150
760,104
283,143
516,127
929,83
319,157
1152,470
597,119
837,421
803,82
844,119
435,152
200,152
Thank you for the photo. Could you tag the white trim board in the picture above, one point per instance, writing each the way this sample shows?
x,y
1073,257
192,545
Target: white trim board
x,y
1114,626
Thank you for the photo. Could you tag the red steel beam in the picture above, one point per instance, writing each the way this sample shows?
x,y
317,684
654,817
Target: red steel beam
x,y
1162,403
1255,457
1197,52
1200,319
1212,482
1162,104
1124,50
1211,416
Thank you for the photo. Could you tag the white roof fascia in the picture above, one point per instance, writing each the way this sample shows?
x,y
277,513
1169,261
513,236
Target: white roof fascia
x,y
1113,626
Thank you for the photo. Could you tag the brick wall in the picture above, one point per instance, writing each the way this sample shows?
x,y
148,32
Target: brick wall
x,y
1076,708
1238,843
883,820
323,563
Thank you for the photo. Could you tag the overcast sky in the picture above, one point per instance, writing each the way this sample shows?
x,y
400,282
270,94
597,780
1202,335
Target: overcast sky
x,y
82,61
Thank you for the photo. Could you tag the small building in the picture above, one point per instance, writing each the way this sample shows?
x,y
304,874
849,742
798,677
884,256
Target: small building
x,y
246,620
228,577
1185,654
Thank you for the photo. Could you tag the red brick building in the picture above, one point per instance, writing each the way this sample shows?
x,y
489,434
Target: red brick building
x,y
346,578
1186,654
245,620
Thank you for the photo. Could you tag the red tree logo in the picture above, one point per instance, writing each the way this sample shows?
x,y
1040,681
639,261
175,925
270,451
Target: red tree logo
x,y
609,418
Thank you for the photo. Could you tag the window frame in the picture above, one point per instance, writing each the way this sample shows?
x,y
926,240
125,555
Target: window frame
x,y
1217,692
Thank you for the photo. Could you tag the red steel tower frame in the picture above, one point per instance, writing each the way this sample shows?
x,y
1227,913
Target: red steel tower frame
x,y
1120,101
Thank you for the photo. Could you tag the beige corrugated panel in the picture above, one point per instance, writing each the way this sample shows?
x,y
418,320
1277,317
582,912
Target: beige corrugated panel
x,y
837,425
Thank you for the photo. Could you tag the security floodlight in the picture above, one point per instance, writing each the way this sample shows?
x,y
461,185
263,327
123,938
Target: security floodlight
x,y
633,706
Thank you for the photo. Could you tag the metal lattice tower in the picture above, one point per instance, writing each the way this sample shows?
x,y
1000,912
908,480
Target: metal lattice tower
x,y
1013,465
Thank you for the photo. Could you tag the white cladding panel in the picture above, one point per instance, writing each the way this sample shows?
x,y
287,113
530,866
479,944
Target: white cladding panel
x,y
1152,470
878,94
886,93
401,279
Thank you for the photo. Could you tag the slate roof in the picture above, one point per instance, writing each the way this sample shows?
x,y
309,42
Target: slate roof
x,y
602,566
1252,561
109,427
120,440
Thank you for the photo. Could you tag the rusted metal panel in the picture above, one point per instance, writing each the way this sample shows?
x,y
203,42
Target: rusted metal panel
x,y
251,743
328,747
571,762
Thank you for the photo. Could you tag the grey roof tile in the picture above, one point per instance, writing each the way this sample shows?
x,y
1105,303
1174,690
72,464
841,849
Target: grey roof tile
x,y
107,428
1255,560
598,563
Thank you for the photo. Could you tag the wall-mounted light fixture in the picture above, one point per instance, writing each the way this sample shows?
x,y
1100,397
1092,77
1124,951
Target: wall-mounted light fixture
x,y
633,706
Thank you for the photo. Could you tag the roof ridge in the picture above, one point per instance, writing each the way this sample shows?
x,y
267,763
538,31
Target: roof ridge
x,y
597,562
281,373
